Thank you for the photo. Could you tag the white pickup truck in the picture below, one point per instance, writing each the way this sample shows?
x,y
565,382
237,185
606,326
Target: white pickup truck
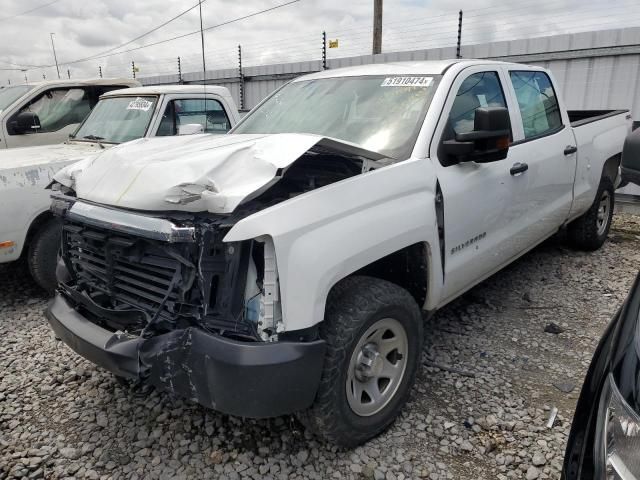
x,y
44,113
27,227
283,268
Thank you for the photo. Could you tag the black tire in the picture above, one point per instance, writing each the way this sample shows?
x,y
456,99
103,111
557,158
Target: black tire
x,y
355,306
42,256
587,232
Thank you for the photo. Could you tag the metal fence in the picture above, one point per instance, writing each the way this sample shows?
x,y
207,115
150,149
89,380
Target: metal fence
x,y
595,70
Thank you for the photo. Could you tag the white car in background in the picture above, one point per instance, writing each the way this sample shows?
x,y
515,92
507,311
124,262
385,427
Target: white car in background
x,y
27,228
47,112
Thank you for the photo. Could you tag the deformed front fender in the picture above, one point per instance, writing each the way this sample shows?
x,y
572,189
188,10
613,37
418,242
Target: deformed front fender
x,y
324,235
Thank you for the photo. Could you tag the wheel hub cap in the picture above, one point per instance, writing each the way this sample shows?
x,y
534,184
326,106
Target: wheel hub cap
x,y
603,213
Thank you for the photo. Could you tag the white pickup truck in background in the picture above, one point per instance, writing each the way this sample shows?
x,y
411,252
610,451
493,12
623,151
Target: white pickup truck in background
x,y
46,112
283,268
27,227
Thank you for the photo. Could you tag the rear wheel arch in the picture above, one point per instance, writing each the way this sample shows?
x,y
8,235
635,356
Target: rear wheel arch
x,y
610,167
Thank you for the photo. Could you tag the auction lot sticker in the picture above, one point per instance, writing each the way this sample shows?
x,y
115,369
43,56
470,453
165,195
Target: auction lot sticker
x,y
407,82
139,104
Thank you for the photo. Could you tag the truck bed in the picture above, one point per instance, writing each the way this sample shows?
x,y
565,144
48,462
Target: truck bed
x,y
599,136
582,117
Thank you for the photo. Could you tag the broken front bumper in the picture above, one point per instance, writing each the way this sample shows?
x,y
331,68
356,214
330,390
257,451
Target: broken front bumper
x,y
249,379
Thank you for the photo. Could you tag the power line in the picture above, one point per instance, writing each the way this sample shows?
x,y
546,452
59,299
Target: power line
x,y
28,11
155,29
244,17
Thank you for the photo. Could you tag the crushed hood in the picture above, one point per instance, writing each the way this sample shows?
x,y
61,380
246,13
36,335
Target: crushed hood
x,y
36,156
194,173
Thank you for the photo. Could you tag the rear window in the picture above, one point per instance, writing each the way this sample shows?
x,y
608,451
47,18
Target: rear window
x,y
537,102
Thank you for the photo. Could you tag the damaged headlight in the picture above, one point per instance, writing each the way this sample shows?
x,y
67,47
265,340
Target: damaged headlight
x,y
620,435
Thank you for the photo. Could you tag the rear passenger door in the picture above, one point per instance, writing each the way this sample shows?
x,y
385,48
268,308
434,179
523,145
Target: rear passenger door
x,y
485,205
545,143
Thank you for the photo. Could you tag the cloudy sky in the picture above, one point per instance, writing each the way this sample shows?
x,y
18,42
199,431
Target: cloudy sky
x,y
94,28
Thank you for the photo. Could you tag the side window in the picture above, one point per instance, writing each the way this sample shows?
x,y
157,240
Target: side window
x,y
206,112
59,108
481,89
537,102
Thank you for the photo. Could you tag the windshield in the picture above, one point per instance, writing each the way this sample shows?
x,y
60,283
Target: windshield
x,y
379,113
8,95
118,119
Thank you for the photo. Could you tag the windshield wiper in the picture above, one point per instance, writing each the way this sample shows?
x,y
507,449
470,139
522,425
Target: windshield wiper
x,y
93,137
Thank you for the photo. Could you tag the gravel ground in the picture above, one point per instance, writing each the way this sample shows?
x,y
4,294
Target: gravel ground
x,y
479,408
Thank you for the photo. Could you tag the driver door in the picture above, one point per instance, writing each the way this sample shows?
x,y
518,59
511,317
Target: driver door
x,y
484,203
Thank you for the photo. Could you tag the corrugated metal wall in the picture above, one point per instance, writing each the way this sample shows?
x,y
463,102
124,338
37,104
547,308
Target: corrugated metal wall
x,y
595,70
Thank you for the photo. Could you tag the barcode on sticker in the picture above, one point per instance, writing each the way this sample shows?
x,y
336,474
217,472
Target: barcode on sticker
x,y
407,82
139,104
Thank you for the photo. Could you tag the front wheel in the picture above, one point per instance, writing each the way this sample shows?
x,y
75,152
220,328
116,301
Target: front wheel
x,y
590,231
43,254
374,332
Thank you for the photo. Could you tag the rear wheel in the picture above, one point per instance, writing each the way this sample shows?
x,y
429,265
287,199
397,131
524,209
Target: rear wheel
x,y
43,254
374,332
590,231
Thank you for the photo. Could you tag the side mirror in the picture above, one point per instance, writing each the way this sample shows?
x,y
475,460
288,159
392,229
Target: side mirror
x,y
190,129
25,122
488,142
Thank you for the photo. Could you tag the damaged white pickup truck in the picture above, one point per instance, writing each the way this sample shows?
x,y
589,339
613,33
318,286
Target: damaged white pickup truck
x,y
283,268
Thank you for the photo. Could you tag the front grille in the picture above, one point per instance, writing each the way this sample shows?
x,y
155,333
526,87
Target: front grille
x,y
127,272
174,285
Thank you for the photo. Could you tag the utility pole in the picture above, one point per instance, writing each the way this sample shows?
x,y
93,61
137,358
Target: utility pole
x,y
100,70
204,66
459,45
179,72
53,47
377,26
133,68
68,73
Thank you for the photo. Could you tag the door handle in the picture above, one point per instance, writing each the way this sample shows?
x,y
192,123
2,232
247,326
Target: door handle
x,y
570,149
518,168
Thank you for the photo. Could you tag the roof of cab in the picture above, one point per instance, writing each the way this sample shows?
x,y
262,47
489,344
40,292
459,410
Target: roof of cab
x,y
169,89
427,67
